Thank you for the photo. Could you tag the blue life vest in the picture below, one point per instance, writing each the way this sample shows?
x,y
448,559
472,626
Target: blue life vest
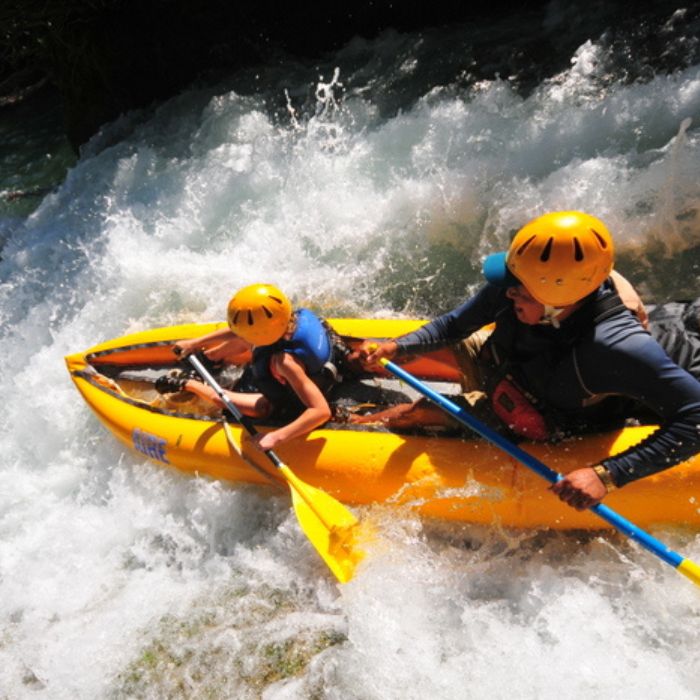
x,y
310,344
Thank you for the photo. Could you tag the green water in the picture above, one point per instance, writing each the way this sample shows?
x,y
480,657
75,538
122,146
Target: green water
x,y
34,153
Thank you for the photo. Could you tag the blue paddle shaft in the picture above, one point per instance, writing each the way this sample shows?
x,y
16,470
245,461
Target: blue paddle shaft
x,y
607,514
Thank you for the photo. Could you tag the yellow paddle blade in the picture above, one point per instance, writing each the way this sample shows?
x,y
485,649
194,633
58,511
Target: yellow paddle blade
x,y
690,569
329,525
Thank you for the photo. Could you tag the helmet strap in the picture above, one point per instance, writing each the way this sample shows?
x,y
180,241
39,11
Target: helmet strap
x,y
550,317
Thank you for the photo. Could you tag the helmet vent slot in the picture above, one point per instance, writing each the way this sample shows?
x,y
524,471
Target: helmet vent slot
x,y
524,246
600,238
578,250
547,250
267,311
250,318
234,320
278,300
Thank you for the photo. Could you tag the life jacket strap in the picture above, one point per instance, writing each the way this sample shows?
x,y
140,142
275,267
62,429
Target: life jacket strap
x,y
607,307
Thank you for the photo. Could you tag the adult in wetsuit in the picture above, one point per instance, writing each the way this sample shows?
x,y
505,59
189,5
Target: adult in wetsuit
x,y
563,342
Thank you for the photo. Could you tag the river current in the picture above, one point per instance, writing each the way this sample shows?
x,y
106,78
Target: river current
x,y
370,183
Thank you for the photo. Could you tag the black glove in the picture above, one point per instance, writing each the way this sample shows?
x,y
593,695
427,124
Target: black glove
x,y
170,385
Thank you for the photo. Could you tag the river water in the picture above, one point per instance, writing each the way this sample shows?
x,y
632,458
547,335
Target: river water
x,y
370,183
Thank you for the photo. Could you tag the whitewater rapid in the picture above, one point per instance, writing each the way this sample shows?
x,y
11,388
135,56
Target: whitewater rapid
x,y
119,578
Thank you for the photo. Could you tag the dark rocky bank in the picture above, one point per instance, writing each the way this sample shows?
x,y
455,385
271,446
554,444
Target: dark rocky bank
x,y
108,56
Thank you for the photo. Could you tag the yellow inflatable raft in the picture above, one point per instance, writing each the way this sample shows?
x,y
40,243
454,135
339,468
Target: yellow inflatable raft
x,y
466,480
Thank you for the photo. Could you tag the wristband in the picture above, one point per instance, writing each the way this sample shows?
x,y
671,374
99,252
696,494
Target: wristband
x,y
605,476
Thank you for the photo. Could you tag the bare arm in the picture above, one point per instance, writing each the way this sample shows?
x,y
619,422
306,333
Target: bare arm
x,y
317,410
219,345
253,405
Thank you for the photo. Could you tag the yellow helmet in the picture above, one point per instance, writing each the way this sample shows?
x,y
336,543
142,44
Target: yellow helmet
x,y
259,313
561,257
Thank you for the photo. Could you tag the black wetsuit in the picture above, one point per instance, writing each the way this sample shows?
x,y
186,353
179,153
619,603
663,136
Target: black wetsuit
x,y
600,350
